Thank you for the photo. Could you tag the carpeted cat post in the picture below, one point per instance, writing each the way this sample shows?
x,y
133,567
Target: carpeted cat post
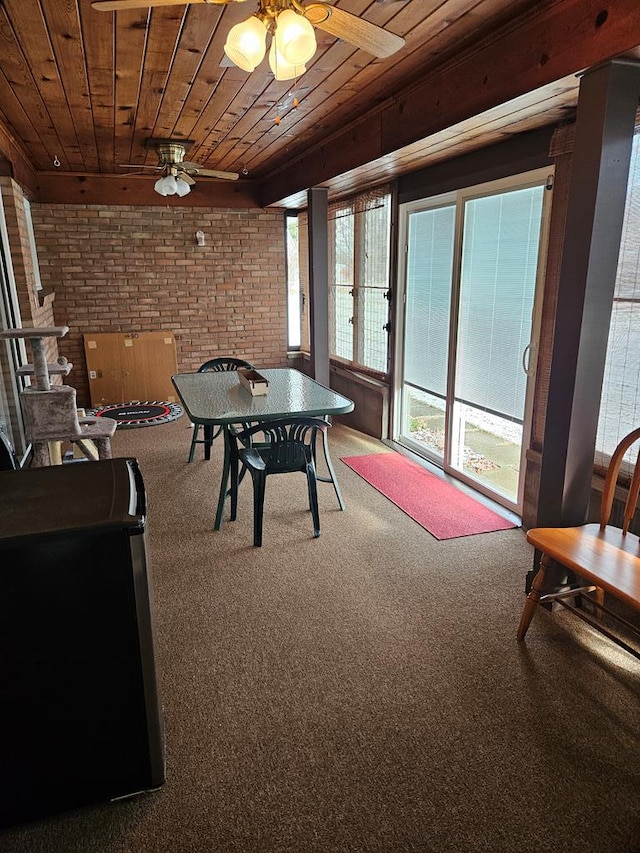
x,y
49,412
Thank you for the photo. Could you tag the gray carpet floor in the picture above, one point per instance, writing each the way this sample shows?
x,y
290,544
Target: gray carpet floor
x,y
361,692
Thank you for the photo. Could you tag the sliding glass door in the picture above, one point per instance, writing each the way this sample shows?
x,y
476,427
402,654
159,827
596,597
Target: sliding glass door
x,y
469,268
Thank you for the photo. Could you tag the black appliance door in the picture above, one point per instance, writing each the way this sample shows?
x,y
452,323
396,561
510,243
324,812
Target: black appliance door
x,y
79,714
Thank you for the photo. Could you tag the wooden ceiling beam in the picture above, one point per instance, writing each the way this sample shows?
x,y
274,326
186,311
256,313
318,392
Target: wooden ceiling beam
x,y
72,188
555,39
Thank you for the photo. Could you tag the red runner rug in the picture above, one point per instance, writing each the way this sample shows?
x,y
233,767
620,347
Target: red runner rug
x,y
442,509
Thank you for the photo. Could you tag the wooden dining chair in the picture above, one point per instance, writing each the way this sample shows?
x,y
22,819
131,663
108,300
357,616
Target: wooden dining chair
x,y
223,363
604,558
287,446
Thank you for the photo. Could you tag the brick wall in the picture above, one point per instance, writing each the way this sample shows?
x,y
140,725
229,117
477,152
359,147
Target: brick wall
x,y
124,269
33,312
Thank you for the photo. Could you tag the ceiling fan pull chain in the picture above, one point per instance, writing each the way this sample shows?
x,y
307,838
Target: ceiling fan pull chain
x,y
295,101
277,119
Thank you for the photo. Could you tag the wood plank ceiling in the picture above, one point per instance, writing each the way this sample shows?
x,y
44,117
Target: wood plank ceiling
x,y
81,91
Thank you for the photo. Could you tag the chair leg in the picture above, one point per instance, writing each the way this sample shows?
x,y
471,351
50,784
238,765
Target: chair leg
x,y
208,441
259,481
313,499
233,474
534,597
598,597
194,437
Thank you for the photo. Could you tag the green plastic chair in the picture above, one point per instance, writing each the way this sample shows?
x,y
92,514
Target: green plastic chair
x,y
224,363
289,446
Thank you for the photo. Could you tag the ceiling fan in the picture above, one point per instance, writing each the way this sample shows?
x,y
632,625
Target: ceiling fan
x,y
178,174
291,25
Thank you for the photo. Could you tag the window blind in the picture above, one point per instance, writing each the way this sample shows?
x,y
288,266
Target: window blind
x,y
429,272
501,235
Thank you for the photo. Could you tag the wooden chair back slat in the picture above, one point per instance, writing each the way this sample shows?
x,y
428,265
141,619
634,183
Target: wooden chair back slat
x,y
632,498
611,479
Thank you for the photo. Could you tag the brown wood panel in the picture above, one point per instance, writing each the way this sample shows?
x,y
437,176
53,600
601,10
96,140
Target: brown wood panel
x,y
471,85
133,366
19,78
63,25
548,105
138,190
332,75
239,102
257,131
131,40
267,97
546,44
99,49
204,126
91,87
43,84
16,160
21,128
348,83
165,27
212,88
194,40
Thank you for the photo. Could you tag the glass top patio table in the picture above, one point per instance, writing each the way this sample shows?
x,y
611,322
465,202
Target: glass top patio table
x,y
215,398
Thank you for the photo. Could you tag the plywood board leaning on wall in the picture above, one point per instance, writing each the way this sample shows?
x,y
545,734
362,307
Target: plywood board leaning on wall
x,y
126,366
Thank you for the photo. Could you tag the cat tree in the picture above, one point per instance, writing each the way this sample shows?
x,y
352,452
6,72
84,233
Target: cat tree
x,y
49,411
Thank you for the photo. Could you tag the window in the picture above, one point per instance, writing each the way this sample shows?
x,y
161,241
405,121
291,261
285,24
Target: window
x,y
470,268
294,296
359,253
620,400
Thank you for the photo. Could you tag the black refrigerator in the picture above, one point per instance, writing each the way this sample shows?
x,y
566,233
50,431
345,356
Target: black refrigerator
x,y
80,720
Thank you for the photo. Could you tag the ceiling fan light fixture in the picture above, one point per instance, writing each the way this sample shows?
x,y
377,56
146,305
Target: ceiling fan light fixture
x,y
294,37
246,43
282,70
182,188
166,186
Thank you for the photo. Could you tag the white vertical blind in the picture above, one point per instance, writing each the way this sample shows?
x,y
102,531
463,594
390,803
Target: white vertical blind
x,y
428,288
501,235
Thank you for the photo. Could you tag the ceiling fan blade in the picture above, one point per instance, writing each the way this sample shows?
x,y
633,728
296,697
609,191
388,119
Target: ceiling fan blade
x,y
356,31
214,173
137,166
199,171
116,5
186,177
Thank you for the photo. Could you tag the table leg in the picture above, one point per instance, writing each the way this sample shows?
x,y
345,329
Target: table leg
x,y
332,474
226,467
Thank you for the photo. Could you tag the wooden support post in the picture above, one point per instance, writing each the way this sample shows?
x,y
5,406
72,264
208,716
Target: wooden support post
x,y
319,283
604,133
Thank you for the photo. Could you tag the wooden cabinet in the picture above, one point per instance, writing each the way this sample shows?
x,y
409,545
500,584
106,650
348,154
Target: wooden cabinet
x,y
123,367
